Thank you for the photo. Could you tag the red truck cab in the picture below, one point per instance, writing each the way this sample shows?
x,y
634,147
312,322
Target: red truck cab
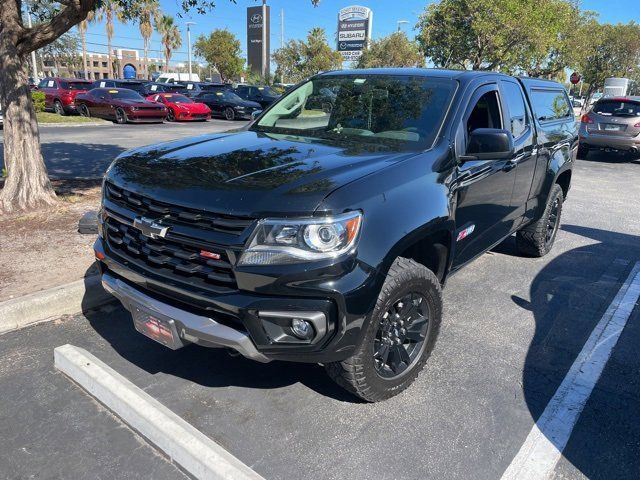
x,y
60,93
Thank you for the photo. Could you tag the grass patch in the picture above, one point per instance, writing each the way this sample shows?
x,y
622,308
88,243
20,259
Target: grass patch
x,y
48,117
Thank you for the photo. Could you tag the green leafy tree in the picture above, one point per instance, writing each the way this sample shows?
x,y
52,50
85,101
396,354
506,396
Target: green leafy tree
x,y
395,50
170,36
508,35
63,54
609,51
221,50
300,59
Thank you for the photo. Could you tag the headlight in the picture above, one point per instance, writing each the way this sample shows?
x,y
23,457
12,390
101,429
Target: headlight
x,y
279,241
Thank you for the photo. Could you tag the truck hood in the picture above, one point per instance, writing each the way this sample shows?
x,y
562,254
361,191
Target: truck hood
x,y
247,173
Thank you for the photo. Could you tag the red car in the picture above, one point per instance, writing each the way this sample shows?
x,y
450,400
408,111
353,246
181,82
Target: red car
x,y
120,105
60,93
180,107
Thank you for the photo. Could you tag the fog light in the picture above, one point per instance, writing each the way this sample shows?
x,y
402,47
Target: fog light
x,y
301,328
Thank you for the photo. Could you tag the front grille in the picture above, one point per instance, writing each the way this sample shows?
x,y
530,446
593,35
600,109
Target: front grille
x,y
148,207
169,258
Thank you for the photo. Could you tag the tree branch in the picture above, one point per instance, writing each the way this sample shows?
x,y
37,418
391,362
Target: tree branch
x,y
43,34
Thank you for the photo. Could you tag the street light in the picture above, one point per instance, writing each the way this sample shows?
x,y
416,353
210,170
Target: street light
x,y
401,22
189,44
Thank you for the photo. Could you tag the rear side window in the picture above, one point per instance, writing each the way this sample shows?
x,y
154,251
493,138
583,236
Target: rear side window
x,y
517,110
617,108
550,104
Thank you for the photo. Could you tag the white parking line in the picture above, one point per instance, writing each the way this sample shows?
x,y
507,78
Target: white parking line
x,y
543,447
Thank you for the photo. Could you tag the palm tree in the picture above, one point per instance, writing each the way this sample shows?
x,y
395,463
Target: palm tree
x,y
82,29
171,38
108,12
149,10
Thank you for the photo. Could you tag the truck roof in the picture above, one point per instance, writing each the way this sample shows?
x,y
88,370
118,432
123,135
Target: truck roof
x,y
440,73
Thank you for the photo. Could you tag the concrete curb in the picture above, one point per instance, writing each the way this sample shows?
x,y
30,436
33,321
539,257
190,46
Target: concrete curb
x,y
79,124
185,445
48,304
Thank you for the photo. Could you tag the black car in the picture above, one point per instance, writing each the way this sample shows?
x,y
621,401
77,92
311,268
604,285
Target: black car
x,y
227,104
265,96
158,87
325,230
135,85
193,89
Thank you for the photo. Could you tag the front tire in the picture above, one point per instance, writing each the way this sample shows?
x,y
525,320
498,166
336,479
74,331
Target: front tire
x,y
121,117
399,337
229,113
84,111
537,239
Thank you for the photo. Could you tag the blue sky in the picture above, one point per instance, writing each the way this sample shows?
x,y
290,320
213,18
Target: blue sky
x,y
300,16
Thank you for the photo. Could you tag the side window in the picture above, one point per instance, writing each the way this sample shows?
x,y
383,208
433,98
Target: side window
x,y
486,113
43,83
551,104
517,110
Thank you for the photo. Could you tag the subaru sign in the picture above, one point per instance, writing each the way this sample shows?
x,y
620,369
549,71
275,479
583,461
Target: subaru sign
x,y
354,31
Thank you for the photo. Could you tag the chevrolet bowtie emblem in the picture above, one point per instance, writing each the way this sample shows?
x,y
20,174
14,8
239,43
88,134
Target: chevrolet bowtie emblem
x,y
150,228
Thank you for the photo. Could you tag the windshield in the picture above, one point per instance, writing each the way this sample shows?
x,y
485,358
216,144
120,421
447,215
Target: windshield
x,y
75,85
123,93
617,108
228,96
138,87
402,111
173,98
267,91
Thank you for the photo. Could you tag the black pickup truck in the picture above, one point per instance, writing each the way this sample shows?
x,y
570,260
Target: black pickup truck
x,y
324,230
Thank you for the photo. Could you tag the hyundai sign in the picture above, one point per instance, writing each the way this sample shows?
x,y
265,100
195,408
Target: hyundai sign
x,y
354,31
258,44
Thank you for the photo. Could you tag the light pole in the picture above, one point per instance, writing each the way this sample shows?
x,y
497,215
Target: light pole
x,y
189,44
401,22
33,53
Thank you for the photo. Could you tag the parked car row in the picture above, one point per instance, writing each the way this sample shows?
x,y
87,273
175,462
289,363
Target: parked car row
x,y
123,101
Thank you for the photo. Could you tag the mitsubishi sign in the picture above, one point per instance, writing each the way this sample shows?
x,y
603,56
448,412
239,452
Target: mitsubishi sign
x,y
354,31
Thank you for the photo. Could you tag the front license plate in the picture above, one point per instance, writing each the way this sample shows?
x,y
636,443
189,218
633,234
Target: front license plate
x,y
158,329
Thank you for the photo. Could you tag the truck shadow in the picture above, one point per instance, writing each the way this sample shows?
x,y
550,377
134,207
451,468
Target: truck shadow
x,y
208,367
568,298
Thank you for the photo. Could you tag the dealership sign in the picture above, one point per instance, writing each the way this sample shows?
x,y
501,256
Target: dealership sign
x,y
354,31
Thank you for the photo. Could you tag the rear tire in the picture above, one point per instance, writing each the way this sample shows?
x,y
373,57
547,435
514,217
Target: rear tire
x,y
171,115
582,152
399,336
537,239
59,108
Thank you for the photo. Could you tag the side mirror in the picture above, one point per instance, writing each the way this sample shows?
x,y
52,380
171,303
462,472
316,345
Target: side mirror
x,y
255,114
489,144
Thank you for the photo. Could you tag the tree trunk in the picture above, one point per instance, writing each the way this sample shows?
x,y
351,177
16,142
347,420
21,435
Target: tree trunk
x,y
27,185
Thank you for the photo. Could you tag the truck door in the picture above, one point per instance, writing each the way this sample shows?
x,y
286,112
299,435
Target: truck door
x,y
521,126
484,214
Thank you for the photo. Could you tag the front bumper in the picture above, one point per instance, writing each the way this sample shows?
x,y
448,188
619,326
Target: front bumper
x,y
248,315
190,327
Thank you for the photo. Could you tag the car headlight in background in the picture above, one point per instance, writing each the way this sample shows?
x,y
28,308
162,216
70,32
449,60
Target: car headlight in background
x,y
286,241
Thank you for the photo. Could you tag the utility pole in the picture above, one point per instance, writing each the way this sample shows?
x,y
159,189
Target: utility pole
x,y
33,53
189,45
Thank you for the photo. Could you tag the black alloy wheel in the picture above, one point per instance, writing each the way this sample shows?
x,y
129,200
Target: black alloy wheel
x,y
171,115
401,335
121,117
553,221
84,111
229,113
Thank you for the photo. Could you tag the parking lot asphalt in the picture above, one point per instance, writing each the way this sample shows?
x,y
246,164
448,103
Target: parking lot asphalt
x,y
512,328
86,151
